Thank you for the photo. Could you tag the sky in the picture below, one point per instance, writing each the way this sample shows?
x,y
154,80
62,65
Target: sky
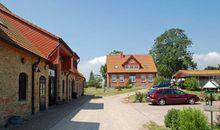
x,y
93,28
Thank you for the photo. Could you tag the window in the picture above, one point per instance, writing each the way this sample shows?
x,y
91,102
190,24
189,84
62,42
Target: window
x,y
114,78
132,67
136,67
167,91
178,92
23,78
63,86
121,78
126,67
132,78
150,78
143,78
42,83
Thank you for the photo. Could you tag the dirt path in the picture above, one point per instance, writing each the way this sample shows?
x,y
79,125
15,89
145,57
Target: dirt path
x,y
107,113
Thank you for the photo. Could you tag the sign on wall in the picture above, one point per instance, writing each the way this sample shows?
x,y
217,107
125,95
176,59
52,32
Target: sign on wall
x,y
51,73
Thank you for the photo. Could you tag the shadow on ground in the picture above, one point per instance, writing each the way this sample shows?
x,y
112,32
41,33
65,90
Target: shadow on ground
x,y
174,104
49,118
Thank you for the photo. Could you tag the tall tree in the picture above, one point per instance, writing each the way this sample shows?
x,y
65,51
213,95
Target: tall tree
x,y
170,52
213,67
91,81
103,71
114,52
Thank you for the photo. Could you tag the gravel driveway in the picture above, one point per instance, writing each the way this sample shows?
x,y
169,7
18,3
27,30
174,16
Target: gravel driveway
x,y
109,113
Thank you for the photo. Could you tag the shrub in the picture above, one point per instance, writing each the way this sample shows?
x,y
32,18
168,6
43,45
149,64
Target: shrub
x,y
172,119
192,119
158,79
191,84
129,84
139,96
186,119
218,120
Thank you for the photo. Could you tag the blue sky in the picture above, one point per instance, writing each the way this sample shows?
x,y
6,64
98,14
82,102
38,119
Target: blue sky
x,y
93,28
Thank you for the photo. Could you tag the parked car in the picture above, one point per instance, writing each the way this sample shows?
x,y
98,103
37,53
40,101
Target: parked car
x,y
164,96
161,85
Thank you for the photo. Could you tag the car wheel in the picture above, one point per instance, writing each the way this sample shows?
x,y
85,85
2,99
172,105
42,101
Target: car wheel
x,y
161,102
192,101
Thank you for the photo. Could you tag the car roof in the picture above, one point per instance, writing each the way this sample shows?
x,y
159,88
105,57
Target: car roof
x,y
165,88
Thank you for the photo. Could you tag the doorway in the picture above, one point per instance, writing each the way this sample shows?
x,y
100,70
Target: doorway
x,y
51,91
42,93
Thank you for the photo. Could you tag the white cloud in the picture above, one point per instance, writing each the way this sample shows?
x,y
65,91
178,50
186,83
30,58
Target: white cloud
x,y
92,65
203,60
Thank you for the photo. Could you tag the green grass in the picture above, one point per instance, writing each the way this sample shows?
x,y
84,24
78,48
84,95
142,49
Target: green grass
x,y
109,91
154,126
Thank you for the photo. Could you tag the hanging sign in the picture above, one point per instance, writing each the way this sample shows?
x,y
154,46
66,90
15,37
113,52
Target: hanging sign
x,y
51,73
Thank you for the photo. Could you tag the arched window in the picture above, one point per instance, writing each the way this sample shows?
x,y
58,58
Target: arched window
x,y
22,92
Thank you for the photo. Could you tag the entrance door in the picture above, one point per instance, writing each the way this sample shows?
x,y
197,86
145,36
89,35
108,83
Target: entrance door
x,y
51,91
42,93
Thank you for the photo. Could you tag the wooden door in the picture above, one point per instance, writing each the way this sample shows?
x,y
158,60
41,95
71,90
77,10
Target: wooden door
x,y
42,93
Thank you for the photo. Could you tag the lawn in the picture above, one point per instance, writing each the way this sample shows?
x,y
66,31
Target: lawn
x,y
109,91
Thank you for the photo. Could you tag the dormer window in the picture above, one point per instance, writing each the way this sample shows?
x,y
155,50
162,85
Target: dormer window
x,y
126,67
136,67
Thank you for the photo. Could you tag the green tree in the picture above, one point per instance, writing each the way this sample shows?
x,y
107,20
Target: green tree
x,y
103,71
91,82
170,52
98,81
158,80
191,84
114,52
213,67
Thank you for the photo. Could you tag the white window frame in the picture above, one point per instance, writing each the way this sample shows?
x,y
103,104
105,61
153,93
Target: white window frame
x,y
132,67
136,67
127,67
150,77
132,78
114,78
121,78
145,78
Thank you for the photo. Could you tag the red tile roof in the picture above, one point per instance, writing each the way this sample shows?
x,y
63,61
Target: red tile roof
x,y
146,62
186,73
12,34
42,40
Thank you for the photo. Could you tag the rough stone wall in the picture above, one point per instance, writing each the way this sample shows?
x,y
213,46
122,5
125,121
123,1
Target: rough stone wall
x,y
10,68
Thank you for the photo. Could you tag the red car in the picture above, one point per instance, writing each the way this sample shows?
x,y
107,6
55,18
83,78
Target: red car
x,y
164,96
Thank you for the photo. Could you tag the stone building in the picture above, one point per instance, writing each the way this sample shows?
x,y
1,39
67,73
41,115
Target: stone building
x,y
37,68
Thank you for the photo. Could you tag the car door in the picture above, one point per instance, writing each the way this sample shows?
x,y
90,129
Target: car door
x,y
181,97
169,96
